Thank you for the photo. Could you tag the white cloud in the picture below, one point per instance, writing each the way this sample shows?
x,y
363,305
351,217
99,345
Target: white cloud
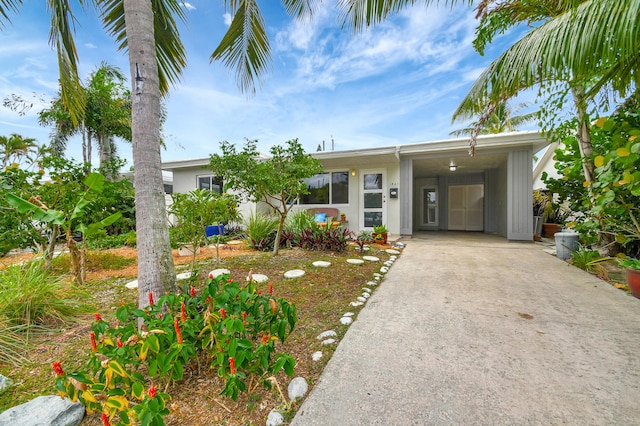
x,y
90,46
188,6
227,18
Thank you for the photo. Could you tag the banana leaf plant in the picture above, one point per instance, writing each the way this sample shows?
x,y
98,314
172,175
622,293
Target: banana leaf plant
x,y
71,221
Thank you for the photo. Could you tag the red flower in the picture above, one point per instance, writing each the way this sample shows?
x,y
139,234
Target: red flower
x,y
244,319
150,298
178,331
152,392
97,316
232,365
94,344
105,420
223,313
210,275
270,289
229,280
57,368
259,292
192,291
264,339
183,312
119,343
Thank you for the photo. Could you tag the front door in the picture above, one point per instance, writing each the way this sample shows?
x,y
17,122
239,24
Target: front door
x,y
429,206
373,200
466,208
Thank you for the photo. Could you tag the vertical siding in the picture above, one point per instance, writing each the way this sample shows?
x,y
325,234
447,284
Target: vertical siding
x,y
405,197
490,201
519,196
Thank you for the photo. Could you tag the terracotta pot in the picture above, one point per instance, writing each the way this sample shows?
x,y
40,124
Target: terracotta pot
x,y
633,281
550,229
378,241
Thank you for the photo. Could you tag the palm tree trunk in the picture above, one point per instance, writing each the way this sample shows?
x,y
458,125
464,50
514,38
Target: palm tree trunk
x,y
156,271
584,134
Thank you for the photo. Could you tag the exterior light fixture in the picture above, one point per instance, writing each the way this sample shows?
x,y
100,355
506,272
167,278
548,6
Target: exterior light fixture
x,y
353,172
452,166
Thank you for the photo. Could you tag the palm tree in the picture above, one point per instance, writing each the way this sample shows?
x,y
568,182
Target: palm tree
x,y
498,120
15,148
147,30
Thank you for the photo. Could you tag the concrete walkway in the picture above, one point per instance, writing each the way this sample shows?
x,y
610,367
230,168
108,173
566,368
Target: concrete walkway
x,y
469,329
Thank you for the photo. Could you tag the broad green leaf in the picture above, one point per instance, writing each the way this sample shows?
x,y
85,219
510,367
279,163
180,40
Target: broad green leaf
x,y
137,390
117,368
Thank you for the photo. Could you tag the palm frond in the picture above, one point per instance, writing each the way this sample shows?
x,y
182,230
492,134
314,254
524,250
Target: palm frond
x,y
245,46
301,9
7,6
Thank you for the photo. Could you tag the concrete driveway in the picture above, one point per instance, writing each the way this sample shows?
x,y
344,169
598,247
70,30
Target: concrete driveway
x,y
469,329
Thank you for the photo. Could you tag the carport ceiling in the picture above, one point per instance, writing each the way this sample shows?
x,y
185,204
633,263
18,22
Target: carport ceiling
x,y
431,167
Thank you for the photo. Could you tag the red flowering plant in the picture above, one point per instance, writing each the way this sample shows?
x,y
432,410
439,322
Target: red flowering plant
x,y
236,325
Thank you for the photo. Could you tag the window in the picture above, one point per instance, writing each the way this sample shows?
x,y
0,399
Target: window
x,y
212,183
327,188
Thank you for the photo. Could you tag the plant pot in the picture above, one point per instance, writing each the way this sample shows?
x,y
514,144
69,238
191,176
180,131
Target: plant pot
x,y
633,281
187,250
377,240
550,229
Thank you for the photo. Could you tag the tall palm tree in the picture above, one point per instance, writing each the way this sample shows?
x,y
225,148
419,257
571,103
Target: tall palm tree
x,y
14,148
500,119
147,30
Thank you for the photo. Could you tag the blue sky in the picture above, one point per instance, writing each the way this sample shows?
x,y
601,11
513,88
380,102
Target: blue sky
x,y
395,84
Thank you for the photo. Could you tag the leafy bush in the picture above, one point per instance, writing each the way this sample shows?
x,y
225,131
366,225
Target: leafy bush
x,y
325,238
101,240
236,326
31,295
585,259
261,231
298,221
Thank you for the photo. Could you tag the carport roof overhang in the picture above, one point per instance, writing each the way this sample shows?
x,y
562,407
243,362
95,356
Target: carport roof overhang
x,y
488,146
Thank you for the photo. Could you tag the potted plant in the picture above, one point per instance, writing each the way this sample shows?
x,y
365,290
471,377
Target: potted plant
x,y
553,214
343,217
633,274
380,234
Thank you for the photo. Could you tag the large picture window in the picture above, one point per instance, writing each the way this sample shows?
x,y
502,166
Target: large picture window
x,y
327,188
212,183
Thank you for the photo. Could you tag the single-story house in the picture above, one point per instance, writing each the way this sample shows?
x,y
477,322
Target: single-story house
x,y
416,187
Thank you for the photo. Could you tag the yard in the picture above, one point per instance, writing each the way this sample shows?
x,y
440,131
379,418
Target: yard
x,y
322,296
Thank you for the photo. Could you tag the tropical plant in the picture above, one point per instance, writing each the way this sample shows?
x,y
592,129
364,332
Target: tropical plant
x,y
379,229
198,209
15,148
12,343
585,259
630,263
261,231
501,119
32,296
276,181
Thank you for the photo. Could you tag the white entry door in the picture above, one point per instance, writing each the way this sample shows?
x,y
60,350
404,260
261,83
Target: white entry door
x,y
466,208
373,199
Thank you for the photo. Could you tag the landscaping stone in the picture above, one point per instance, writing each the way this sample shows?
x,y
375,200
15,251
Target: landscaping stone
x,y
321,264
259,278
392,251
399,245
325,334
183,276
372,283
365,295
356,304
361,299
367,289
328,341
5,383
371,258
377,275
348,314
275,418
355,261
316,355
294,273
346,320
384,269
297,388
132,284
394,258
217,272
44,411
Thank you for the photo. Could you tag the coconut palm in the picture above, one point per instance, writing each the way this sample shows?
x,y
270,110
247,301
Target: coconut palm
x,y
500,119
14,148
148,31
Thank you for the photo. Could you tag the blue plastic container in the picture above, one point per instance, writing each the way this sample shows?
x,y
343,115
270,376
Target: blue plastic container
x,y
212,230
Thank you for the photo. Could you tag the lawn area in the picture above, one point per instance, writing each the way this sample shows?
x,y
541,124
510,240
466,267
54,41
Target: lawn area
x,y
322,296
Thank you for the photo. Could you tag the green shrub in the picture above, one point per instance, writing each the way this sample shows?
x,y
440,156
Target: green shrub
x,y
299,220
325,238
585,259
31,295
261,231
100,240
12,342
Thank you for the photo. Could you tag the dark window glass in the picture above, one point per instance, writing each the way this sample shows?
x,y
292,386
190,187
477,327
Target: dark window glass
x,y
318,187
212,183
340,188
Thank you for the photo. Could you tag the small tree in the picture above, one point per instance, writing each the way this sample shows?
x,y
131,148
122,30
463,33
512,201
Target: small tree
x,y
198,209
277,181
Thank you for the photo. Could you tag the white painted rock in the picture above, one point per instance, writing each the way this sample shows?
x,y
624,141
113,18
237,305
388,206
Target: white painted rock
x,y
346,320
356,304
377,275
366,289
297,388
328,341
217,272
275,418
372,283
325,334
394,258
294,273
348,314
321,264
399,245
384,269
316,356
392,251
355,261
388,264
365,295
183,276
132,284
361,299
259,278
371,258
5,383
44,410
